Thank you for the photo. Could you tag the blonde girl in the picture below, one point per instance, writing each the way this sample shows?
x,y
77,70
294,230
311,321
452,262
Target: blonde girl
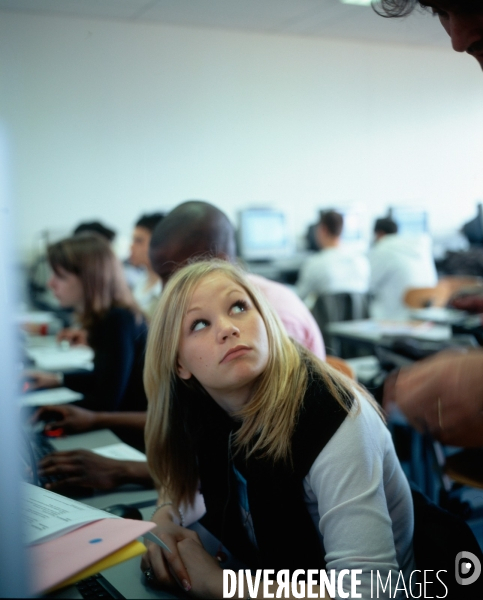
x,y
293,461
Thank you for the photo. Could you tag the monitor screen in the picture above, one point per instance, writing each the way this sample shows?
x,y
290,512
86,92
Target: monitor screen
x,y
263,234
353,226
411,221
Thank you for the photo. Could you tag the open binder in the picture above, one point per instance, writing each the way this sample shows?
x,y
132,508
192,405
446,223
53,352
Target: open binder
x,y
68,541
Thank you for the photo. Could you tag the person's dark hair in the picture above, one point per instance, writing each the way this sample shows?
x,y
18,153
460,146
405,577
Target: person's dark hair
x,y
194,228
385,225
402,8
394,8
150,221
95,227
90,257
333,221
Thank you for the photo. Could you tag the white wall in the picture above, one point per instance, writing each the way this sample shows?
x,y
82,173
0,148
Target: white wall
x,y
109,119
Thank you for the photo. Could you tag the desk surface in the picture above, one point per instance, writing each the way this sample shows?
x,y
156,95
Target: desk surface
x,y
371,330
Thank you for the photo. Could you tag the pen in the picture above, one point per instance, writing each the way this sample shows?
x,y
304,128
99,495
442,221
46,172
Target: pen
x,y
154,538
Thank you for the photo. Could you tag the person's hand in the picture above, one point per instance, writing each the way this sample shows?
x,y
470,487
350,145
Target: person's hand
x,y
40,379
81,468
75,337
205,573
443,394
167,568
70,418
471,303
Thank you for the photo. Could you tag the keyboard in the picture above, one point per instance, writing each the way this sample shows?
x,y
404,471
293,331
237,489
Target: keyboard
x,y
41,446
97,586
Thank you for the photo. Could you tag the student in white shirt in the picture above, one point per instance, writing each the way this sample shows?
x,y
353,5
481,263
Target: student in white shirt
x,y
398,263
336,268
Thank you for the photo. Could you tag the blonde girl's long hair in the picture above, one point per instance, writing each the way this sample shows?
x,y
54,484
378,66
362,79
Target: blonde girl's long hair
x,y
268,419
104,285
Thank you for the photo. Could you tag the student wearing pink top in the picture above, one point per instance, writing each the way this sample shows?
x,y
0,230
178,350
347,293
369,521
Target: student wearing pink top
x,y
196,228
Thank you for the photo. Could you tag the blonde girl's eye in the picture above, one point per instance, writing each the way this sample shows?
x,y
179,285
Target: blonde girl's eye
x,y
198,325
239,307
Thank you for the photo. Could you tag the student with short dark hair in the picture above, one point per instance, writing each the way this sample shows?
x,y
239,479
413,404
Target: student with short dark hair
x,y
336,268
148,287
398,263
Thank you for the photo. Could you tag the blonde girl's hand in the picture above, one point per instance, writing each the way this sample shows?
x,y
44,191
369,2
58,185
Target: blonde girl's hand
x,y
205,573
161,566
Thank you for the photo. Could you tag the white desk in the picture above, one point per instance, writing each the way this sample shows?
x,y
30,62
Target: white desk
x,y
439,314
373,331
49,355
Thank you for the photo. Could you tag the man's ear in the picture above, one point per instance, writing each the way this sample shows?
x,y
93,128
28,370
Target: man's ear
x,y
182,372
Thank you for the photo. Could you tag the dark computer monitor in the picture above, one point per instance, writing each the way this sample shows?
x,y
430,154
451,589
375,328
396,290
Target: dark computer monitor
x,y
263,234
411,221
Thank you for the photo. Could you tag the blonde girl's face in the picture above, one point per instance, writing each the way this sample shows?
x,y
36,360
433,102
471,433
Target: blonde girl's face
x,y
223,341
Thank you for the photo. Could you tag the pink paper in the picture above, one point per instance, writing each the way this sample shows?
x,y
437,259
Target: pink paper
x,y
59,559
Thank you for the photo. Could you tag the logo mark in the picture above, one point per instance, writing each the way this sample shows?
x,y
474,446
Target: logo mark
x,y
464,562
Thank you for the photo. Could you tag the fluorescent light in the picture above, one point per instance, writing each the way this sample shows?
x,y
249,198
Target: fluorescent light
x,y
358,2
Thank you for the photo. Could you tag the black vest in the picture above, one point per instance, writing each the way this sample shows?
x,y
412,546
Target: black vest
x,y
285,532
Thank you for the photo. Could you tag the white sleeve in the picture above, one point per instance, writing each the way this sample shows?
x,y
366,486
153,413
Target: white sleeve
x,y
305,282
345,486
379,267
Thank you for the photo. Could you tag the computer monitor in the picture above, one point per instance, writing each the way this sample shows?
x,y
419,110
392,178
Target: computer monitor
x,y
353,230
263,234
410,221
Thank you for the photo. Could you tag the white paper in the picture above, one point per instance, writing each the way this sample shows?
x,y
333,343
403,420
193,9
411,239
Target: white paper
x,y
60,395
36,317
47,515
121,451
58,358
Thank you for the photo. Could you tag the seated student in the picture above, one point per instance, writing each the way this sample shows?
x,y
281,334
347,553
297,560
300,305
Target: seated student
x,y
148,288
397,264
88,277
295,464
335,268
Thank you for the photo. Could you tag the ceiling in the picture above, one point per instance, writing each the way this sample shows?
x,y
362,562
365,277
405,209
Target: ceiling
x,y
315,18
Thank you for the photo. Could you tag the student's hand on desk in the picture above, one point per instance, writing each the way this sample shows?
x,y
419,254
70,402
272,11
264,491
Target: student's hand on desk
x,y
205,573
82,468
70,418
443,394
168,567
75,337
39,379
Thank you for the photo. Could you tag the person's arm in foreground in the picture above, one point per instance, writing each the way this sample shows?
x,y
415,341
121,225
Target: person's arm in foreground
x,y
84,468
443,394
